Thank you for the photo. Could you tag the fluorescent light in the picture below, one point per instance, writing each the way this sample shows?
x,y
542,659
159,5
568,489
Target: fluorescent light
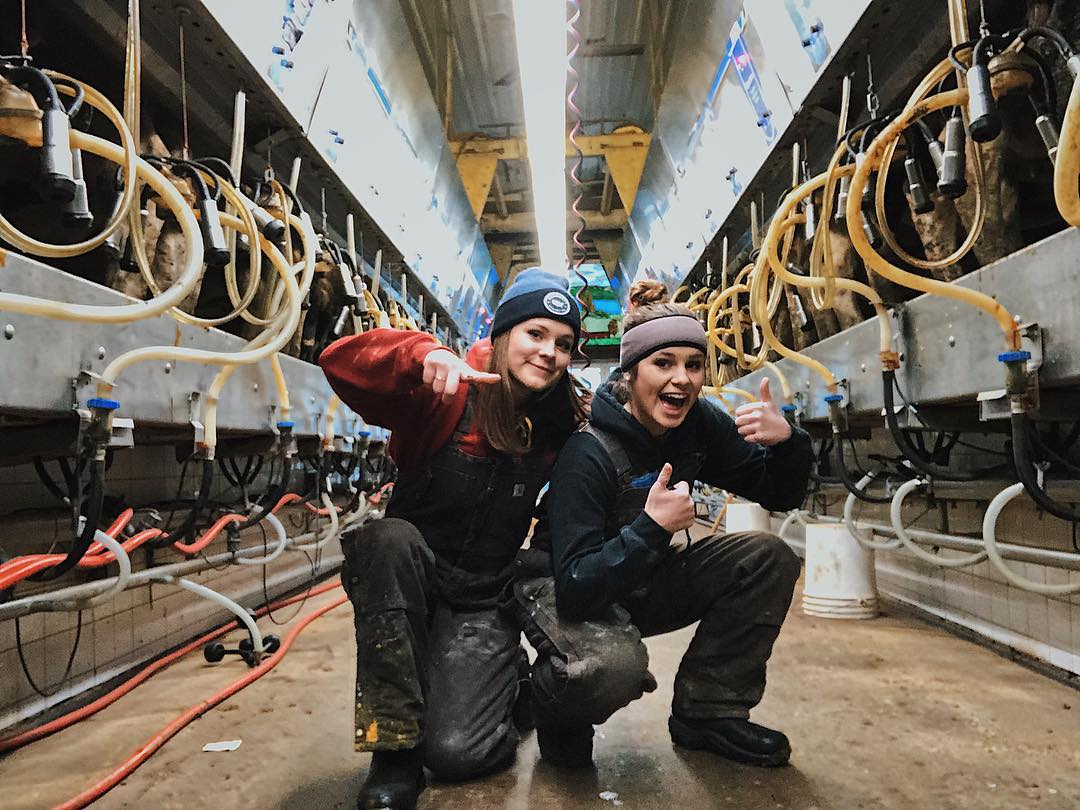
x,y
540,32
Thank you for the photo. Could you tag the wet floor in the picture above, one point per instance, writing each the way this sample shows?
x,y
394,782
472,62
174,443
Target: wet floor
x,y
889,713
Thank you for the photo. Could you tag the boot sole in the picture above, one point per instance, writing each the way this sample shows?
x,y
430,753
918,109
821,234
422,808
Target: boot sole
x,y
705,740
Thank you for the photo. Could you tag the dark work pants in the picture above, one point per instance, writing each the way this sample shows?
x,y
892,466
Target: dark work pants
x,y
426,673
738,586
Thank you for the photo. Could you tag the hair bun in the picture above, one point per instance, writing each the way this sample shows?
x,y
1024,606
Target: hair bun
x,y
648,291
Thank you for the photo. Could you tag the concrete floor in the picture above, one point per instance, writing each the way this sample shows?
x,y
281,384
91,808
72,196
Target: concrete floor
x,y
890,713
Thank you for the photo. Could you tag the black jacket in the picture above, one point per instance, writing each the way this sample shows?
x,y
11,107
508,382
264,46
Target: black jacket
x,y
592,570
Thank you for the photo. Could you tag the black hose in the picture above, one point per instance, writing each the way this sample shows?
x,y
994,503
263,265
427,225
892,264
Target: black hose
x,y
1049,453
1025,471
223,168
192,170
292,196
272,495
910,452
47,480
39,85
186,530
850,484
94,500
72,107
1042,32
954,54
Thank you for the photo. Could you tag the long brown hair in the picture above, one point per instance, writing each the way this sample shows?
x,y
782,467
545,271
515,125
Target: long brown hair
x,y
558,411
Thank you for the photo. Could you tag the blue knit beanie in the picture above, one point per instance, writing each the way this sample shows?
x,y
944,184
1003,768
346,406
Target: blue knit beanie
x,y
536,294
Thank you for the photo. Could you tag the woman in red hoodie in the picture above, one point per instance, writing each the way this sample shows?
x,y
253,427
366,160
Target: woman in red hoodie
x,y
474,441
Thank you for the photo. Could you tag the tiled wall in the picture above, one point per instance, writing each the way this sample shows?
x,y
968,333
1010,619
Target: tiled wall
x,y
980,599
138,624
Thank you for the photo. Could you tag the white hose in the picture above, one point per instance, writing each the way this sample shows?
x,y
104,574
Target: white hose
x,y
122,577
282,542
792,516
332,530
227,603
895,509
990,519
849,521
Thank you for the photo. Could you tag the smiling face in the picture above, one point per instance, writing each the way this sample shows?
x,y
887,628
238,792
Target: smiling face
x,y
538,352
664,386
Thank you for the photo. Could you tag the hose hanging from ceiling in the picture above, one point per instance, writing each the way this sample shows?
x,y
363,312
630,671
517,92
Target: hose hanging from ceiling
x,y
575,179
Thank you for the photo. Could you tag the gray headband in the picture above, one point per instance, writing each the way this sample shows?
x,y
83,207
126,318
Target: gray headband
x,y
641,340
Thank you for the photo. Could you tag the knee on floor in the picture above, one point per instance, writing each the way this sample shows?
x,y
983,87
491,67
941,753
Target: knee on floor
x,y
455,755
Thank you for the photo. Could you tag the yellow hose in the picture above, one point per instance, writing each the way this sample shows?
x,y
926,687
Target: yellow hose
x,y
260,346
242,206
978,181
784,386
874,261
284,405
1067,164
138,310
759,314
273,338
785,218
125,155
331,412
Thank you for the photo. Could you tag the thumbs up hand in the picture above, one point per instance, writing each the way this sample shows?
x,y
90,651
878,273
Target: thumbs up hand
x,y
761,422
672,509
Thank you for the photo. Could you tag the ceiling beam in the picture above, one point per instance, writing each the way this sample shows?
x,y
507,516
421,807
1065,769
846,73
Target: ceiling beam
x,y
525,222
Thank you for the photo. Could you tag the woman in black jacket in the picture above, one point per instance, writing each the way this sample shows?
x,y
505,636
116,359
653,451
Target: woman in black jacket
x,y
619,494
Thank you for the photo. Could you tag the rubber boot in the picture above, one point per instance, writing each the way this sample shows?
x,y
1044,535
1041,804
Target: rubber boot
x,y
394,782
562,744
733,738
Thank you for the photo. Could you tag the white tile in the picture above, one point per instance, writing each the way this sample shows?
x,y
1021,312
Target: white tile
x,y
1038,617
53,623
1075,610
1060,619
1017,610
1033,571
999,604
7,635
1057,576
58,649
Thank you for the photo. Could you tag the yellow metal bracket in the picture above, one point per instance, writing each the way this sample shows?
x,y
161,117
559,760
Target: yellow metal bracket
x,y
625,151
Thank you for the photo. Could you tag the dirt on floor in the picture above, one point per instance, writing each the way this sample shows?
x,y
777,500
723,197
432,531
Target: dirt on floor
x,y
887,713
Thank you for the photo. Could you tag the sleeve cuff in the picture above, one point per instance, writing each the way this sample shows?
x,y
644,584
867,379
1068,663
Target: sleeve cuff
x,y
654,535
796,442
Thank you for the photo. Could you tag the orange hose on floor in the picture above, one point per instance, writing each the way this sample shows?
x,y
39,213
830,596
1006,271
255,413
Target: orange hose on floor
x,y
71,718
147,749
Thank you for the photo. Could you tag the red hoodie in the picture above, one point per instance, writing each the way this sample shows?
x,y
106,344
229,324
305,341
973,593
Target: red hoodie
x,y
379,374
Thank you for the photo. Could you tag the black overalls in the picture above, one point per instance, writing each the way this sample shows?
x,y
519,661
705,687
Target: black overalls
x,y
739,587
437,653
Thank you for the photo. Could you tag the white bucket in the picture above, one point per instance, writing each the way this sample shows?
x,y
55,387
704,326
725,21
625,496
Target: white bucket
x,y
746,517
840,581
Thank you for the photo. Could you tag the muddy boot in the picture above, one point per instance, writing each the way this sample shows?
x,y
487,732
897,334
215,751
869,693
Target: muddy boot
x,y
562,744
394,781
733,738
524,719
